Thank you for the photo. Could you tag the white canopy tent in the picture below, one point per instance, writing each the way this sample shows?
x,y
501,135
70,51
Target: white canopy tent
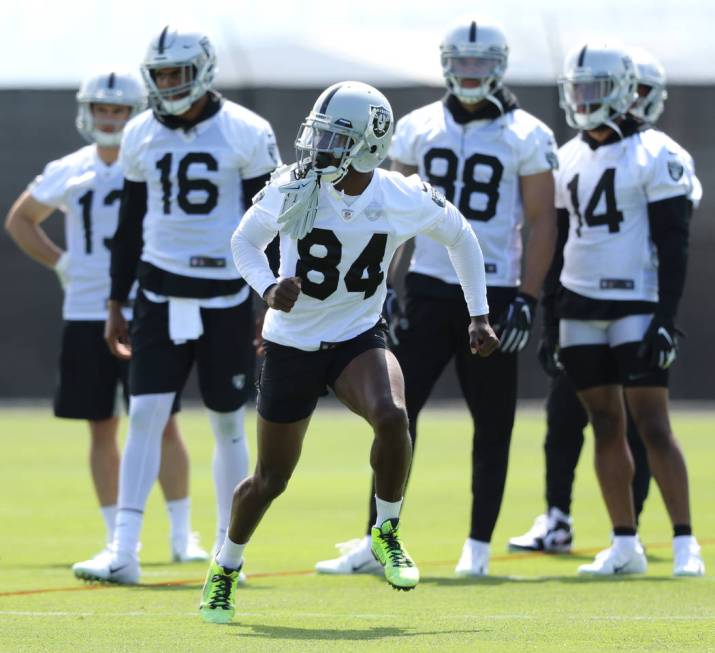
x,y
315,42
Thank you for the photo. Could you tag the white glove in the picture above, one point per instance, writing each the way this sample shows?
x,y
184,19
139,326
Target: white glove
x,y
62,268
300,205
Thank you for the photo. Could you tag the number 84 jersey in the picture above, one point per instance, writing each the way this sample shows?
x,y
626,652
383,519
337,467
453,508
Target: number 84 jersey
x,y
609,254
477,166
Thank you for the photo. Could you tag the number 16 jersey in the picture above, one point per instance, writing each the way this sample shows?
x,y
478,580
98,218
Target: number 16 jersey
x,y
193,178
477,166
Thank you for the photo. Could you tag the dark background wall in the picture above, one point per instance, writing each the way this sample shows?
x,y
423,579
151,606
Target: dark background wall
x,y
38,127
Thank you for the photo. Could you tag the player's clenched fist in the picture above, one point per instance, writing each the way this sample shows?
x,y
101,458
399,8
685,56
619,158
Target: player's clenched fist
x,y
482,339
283,295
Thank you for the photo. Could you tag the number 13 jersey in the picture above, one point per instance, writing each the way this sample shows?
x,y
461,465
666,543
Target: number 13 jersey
x,y
194,195
88,192
477,166
609,254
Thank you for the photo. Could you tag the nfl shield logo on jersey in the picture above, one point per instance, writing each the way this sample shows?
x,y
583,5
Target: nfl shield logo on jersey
x,y
675,169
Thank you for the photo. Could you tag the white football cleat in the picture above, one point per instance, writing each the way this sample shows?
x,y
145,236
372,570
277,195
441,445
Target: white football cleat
x,y
616,561
687,559
109,569
474,560
188,551
355,558
551,532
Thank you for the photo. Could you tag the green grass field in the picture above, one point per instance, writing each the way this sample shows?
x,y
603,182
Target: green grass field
x,y
48,519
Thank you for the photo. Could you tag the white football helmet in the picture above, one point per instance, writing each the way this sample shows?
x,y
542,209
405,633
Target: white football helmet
x,y
351,124
107,88
598,85
190,51
651,74
474,50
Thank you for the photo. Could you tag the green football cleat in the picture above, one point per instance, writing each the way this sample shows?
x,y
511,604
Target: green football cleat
x,y
400,570
218,599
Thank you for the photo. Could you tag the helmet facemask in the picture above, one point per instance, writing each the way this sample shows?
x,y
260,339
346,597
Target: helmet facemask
x,y
462,68
591,101
178,98
326,148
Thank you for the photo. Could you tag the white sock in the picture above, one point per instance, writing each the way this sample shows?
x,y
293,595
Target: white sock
x,y
387,510
230,464
179,520
139,469
625,543
109,514
231,554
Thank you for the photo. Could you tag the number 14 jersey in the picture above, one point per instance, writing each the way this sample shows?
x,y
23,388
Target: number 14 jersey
x,y
477,166
609,254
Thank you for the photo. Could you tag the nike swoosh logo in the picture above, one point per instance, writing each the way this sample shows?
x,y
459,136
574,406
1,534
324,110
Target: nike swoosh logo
x,y
618,570
114,570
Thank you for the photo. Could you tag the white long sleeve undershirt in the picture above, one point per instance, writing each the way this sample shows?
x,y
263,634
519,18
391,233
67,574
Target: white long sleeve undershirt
x,y
248,245
453,231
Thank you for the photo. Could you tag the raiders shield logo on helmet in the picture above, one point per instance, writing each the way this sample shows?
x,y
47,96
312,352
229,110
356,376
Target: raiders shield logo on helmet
x,y
380,121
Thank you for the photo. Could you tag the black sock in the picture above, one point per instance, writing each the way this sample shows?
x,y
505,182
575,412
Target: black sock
x,y
682,529
624,530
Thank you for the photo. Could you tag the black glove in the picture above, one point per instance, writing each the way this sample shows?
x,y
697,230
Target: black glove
x,y
548,351
392,312
515,324
660,343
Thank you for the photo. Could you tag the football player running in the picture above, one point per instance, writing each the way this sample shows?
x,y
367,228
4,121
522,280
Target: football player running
x,y
340,220
565,416
86,186
190,164
623,195
495,162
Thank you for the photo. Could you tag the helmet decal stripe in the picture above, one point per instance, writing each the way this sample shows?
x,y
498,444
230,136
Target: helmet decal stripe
x,y
328,97
582,56
110,81
162,40
473,32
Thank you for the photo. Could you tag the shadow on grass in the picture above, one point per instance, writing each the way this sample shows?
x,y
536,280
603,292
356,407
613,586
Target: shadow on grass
x,y
350,634
452,581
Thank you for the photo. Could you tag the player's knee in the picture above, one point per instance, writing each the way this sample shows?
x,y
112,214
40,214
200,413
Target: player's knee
x,y
389,418
272,483
656,434
607,424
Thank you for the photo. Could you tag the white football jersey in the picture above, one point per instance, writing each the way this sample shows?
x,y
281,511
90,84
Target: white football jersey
x,y
194,194
343,261
609,253
88,192
477,166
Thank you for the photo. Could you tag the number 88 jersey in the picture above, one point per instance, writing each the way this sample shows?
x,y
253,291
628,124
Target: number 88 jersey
x,y
609,254
193,178
477,166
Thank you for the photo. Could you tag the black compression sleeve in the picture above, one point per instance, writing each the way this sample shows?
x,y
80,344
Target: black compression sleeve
x,y
551,283
128,239
669,229
251,187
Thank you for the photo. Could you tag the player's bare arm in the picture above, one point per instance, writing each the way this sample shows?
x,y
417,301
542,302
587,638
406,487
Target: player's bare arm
x,y
23,224
116,331
537,192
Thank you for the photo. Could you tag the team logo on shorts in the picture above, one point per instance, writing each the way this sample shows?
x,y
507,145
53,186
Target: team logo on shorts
x,y
675,169
381,120
239,381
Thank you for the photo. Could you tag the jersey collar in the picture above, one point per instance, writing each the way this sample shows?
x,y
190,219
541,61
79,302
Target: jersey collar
x,y
359,204
489,111
213,106
629,126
